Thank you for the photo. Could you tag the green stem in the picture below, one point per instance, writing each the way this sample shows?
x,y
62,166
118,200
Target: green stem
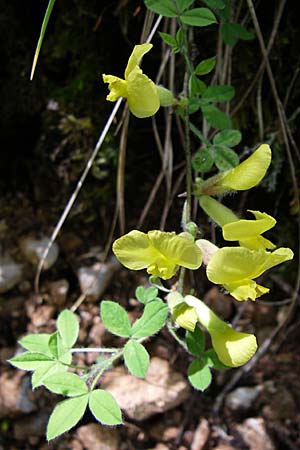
x,y
177,338
108,363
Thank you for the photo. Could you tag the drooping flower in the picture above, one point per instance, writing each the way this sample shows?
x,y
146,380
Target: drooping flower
x,y
157,251
248,232
236,267
242,177
232,347
141,92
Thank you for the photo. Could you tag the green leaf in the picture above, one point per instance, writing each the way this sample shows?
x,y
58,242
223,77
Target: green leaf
x,y
48,369
136,358
230,138
105,408
152,320
225,158
180,36
184,4
37,342
66,415
195,341
146,295
199,375
196,86
56,345
211,359
218,93
215,117
42,34
203,160
68,384
198,17
165,8
232,32
115,318
68,327
168,39
194,104
205,66
30,360
215,4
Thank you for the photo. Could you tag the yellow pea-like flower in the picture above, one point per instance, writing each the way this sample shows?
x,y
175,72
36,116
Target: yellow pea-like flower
x,y
141,92
236,267
248,232
242,177
160,252
233,348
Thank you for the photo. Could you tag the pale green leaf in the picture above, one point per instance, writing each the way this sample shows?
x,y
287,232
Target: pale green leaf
x,y
68,327
230,138
152,320
66,415
42,33
205,66
136,358
56,345
68,384
43,372
115,318
146,295
37,343
199,375
105,408
196,86
195,341
30,360
198,17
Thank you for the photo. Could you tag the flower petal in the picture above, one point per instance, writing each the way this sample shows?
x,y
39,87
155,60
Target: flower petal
x,y
244,229
218,212
250,172
143,98
137,53
117,87
232,347
182,251
134,250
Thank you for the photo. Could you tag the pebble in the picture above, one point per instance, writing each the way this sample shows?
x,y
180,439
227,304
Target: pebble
x,y
10,273
33,250
97,437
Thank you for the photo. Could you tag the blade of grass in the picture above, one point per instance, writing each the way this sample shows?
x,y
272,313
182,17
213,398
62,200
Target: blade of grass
x,y
42,33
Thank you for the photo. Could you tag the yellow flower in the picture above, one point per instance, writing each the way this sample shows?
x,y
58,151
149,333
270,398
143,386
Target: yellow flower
x,y
248,232
232,347
141,93
157,251
242,177
236,267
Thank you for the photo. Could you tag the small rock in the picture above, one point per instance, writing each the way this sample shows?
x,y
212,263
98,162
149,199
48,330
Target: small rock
x,y
201,435
242,399
160,446
10,273
58,291
16,396
96,437
42,315
224,447
163,389
33,250
95,279
160,431
253,432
